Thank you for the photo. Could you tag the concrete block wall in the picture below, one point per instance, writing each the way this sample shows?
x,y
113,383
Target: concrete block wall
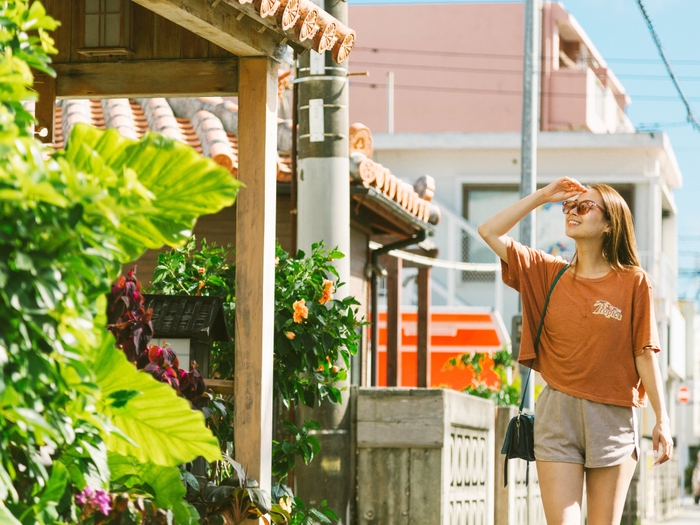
x,y
424,456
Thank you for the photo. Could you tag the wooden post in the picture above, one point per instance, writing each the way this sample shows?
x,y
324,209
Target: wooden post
x,y
393,319
255,266
45,111
423,326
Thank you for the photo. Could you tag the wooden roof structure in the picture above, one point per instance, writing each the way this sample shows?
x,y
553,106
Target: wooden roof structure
x,y
124,49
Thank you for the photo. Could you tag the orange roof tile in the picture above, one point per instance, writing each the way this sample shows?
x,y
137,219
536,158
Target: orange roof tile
x,y
209,125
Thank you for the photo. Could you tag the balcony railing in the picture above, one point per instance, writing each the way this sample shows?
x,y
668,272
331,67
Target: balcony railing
x,y
663,272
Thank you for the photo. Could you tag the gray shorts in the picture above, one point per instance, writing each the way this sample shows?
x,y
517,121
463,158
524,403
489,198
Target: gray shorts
x,y
569,429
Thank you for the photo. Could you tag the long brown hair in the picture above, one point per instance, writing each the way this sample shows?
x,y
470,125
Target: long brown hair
x,y
619,244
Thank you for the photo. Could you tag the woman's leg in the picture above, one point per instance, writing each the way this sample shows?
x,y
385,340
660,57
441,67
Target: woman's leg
x,y
606,490
561,486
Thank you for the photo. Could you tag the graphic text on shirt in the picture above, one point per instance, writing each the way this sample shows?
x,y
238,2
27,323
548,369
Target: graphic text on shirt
x,y
608,310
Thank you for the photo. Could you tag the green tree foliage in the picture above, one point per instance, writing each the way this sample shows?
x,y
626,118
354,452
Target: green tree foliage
x,y
315,334
68,221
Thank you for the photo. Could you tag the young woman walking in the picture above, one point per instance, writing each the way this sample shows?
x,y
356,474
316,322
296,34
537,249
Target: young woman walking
x,y
597,351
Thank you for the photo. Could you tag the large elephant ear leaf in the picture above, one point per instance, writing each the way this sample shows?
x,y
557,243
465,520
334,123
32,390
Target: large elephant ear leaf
x,y
6,517
162,428
173,184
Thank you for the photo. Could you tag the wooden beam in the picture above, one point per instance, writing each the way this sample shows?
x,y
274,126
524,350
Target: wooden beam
x,y
147,78
219,24
221,386
45,110
423,327
255,266
393,319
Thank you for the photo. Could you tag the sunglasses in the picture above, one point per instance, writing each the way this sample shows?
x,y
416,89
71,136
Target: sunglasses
x,y
581,207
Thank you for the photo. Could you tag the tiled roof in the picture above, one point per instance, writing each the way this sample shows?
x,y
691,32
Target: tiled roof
x,y
415,198
210,125
301,22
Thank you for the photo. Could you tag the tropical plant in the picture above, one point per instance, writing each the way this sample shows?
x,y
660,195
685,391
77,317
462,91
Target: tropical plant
x,y
488,376
204,270
315,334
301,443
236,499
77,420
301,515
313,331
130,323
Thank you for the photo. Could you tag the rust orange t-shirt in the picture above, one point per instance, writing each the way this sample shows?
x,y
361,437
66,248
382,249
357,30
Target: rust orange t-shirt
x,y
593,329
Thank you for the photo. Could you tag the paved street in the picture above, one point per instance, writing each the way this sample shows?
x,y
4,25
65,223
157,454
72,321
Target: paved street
x,y
689,514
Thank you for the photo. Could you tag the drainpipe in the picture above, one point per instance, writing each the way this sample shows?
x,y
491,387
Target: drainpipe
x,y
373,271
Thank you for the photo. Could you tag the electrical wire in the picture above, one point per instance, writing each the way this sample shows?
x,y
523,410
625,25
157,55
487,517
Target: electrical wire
x,y
489,71
446,89
503,56
657,41
648,127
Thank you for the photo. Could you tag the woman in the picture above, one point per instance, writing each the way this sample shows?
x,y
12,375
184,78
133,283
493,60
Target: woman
x,y
597,351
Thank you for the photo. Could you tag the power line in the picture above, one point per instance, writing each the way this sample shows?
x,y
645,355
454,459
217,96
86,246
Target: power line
x,y
658,126
447,89
490,71
504,56
657,41
497,56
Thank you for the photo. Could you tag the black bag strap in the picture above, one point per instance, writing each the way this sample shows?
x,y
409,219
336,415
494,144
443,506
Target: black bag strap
x,y
539,332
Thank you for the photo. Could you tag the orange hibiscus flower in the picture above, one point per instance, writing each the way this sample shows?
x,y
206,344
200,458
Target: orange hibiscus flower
x,y
327,293
300,310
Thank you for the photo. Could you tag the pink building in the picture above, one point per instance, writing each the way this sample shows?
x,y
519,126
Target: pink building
x,y
458,68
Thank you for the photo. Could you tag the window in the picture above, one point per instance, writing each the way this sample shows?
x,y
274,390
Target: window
x,y
480,203
107,27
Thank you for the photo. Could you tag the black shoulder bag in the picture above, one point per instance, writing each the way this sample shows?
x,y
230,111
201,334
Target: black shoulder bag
x,y
520,436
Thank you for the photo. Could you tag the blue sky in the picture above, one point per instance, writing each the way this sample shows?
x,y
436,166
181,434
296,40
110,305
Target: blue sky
x,y
619,31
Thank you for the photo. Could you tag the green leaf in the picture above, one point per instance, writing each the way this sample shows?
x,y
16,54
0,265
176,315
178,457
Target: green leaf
x,y
175,184
6,517
55,487
169,492
165,429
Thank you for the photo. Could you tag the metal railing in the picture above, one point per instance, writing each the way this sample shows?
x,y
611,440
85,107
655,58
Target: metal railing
x,y
473,278
663,272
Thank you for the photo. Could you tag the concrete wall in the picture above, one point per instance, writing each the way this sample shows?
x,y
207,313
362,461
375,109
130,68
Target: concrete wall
x,y
424,456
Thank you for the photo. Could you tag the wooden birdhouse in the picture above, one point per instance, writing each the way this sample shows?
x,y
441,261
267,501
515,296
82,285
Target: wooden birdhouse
x,y
106,28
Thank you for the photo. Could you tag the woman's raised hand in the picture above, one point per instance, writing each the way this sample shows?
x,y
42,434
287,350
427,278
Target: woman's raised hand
x,y
562,189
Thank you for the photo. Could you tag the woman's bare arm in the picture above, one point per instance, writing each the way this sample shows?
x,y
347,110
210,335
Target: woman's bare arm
x,y
650,373
494,230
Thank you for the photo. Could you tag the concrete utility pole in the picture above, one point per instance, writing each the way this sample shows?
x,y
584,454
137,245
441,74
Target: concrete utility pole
x,y
323,213
530,127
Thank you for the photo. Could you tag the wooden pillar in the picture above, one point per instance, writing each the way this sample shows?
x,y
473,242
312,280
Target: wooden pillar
x,y
45,111
255,266
393,319
423,326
